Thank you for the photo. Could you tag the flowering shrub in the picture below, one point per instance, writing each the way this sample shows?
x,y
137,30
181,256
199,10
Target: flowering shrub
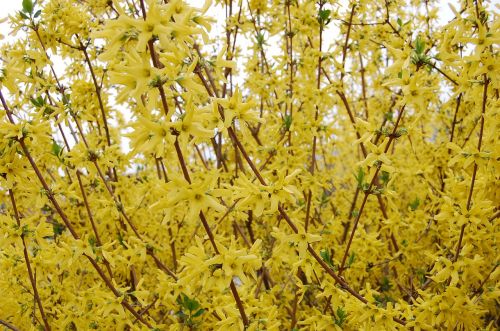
x,y
312,165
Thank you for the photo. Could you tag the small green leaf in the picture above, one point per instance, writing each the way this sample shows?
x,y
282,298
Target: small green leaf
x,y
65,99
28,6
385,285
188,303
389,115
48,111
287,122
401,132
351,259
192,305
121,240
414,204
199,312
58,228
400,22
325,197
419,46
340,316
25,230
38,102
360,177
326,257
324,16
38,12
260,39
23,15
384,177
56,149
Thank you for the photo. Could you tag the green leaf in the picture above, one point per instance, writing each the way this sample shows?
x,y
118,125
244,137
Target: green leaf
x,y
65,99
23,15
414,204
419,46
401,132
385,177
360,177
48,110
260,39
199,312
287,122
351,259
389,115
326,257
56,149
325,197
38,12
340,316
58,228
25,230
121,240
385,285
38,102
28,6
192,304
188,303
400,23
324,16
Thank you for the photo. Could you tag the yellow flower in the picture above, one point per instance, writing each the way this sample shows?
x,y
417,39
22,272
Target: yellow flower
x,y
191,123
300,240
376,155
236,108
150,136
198,196
467,157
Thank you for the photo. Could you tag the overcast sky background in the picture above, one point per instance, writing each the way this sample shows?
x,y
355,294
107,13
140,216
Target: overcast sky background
x,y
9,7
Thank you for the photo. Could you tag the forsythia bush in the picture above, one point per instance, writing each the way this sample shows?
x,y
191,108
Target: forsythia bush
x,y
311,165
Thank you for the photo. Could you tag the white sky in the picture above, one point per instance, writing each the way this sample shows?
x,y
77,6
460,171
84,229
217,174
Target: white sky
x,y
9,7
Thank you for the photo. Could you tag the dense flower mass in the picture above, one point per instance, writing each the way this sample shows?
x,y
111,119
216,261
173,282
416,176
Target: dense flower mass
x,y
258,165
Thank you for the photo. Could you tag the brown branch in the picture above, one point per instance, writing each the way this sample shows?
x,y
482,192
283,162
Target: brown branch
x,y
346,43
368,192
28,264
61,213
92,222
83,48
474,172
282,212
185,172
8,325
48,191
